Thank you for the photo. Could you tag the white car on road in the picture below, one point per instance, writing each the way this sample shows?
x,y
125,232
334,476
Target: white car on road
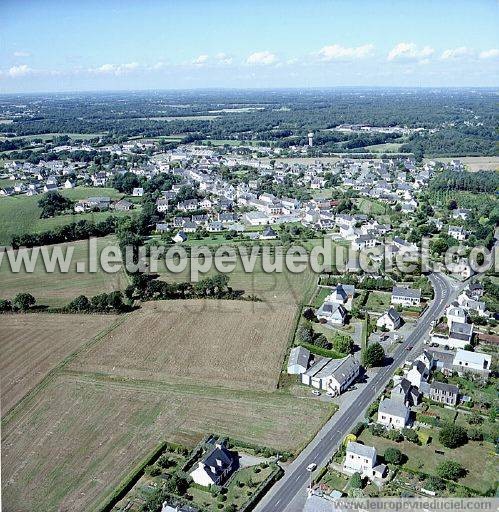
x,y
311,467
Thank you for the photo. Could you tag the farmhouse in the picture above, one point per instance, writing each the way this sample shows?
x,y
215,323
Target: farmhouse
x,y
406,296
393,413
298,360
332,375
391,320
215,467
123,206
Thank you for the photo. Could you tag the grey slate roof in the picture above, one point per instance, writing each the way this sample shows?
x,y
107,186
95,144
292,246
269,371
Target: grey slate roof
x,y
393,407
361,449
442,386
299,355
398,291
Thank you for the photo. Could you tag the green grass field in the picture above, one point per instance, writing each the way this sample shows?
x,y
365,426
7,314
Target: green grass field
x,y
47,137
57,289
373,207
378,302
21,214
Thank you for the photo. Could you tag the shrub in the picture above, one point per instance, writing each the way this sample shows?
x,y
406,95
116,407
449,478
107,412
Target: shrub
x,y
434,483
305,334
343,344
452,436
395,435
309,314
410,435
5,305
475,434
450,470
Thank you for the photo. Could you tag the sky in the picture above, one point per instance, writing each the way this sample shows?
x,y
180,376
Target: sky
x,y
76,45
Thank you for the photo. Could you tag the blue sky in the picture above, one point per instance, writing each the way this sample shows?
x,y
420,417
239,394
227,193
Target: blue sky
x,y
74,45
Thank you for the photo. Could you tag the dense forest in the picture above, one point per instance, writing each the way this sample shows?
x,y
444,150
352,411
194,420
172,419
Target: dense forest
x,y
452,122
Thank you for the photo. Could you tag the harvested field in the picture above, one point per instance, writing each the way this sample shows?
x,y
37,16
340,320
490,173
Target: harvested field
x,y
32,345
234,344
74,441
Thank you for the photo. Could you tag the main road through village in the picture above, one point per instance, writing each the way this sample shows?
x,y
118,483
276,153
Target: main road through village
x,y
289,493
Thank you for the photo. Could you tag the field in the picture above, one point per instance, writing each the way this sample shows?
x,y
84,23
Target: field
x,y
154,377
29,352
47,137
475,163
21,214
478,458
378,301
57,289
387,147
271,287
371,207
235,344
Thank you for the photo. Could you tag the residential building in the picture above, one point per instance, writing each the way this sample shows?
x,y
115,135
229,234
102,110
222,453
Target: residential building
x,y
444,393
391,320
215,467
406,296
393,413
475,362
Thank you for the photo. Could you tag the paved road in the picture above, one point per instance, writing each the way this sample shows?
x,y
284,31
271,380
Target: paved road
x,y
296,478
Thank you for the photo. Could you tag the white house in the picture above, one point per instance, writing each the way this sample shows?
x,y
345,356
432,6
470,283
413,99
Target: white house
x,y
179,237
138,192
391,320
417,374
332,313
362,459
406,296
460,334
299,358
456,314
215,467
457,232
393,413
476,362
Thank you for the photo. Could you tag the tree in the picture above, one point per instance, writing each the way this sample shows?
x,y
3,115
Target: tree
x,y
450,470
452,436
355,481
439,246
24,301
52,203
343,344
373,355
321,341
81,303
395,435
393,456
309,314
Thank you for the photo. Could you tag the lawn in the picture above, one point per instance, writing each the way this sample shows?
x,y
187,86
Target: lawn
x,y
21,214
372,207
479,459
378,302
322,293
57,289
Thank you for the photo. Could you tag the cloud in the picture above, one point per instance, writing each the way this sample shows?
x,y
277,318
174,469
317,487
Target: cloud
x,y
21,54
493,53
456,53
338,52
410,52
199,61
223,58
261,59
115,69
17,71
